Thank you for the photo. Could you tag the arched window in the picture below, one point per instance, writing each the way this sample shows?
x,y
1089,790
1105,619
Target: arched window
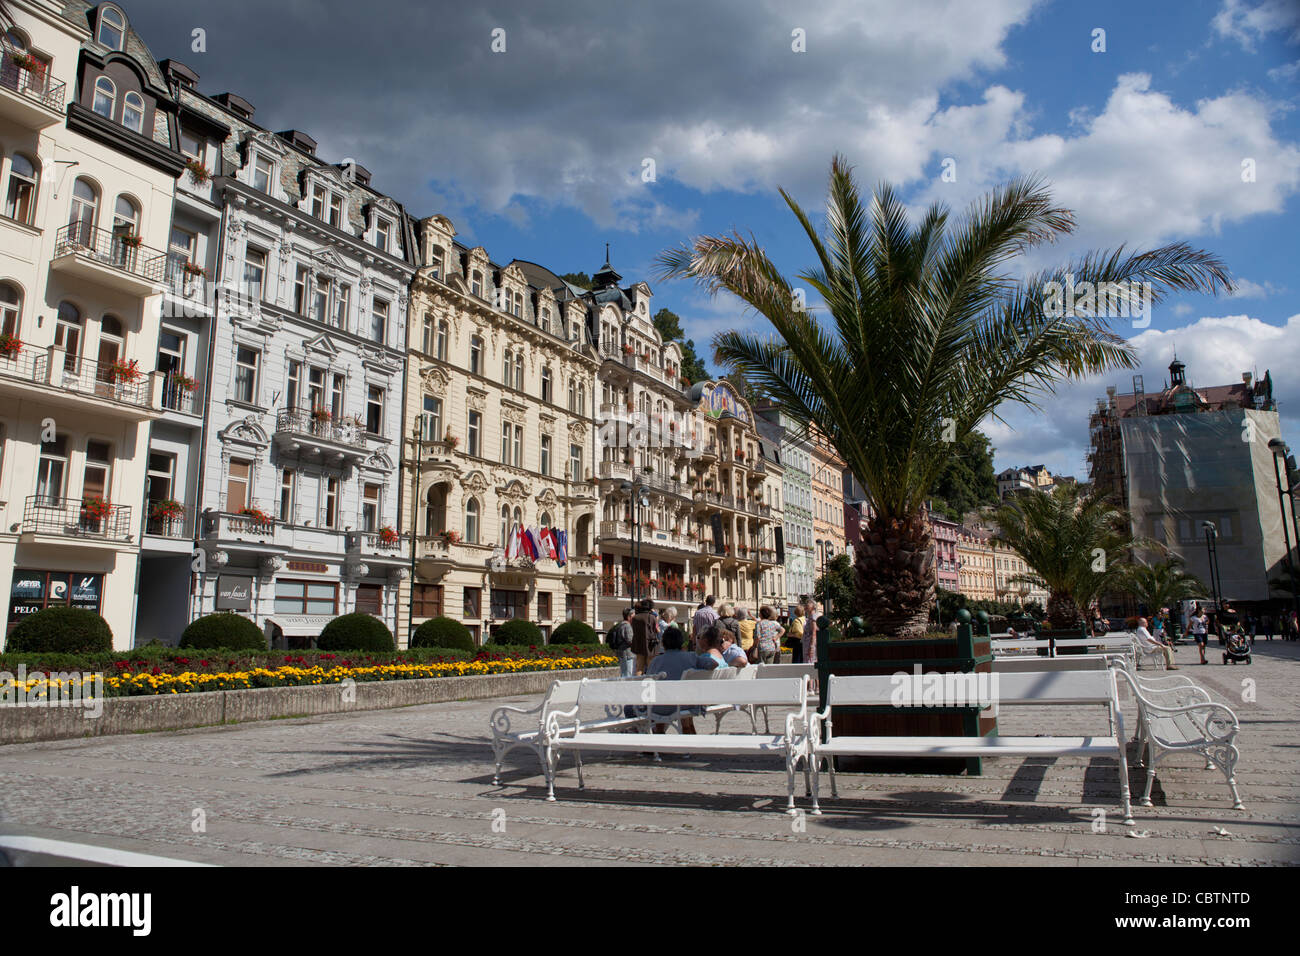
x,y
67,334
85,210
112,28
126,216
105,97
20,204
133,112
471,521
111,347
546,519
11,309
435,510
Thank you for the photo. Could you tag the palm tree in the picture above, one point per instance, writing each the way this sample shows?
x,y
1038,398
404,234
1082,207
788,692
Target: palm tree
x,y
928,334
1163,584
1077,545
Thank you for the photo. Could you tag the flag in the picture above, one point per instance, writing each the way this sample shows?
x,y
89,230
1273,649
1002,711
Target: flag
x,y
529,544
561,547
512,543
548,543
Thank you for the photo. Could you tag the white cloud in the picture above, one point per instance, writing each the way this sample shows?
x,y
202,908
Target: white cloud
x,y
1246,289
1248,23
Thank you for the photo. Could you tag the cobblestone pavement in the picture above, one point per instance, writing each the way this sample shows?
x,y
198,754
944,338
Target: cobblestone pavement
x,y
413,787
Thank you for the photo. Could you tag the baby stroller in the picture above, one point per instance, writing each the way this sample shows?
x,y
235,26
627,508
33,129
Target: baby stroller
x,y
1235,648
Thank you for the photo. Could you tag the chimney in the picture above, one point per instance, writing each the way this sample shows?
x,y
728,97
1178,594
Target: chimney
x,y
298,139
1245,379
236,104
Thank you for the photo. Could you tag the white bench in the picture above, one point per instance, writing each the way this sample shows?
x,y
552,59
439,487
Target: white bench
x,y
720,710
1071,662
1020,644
676,697
1054,687
1203,726
522,727
807,672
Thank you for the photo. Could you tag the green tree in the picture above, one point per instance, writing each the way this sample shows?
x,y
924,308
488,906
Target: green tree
x,y
1076,544
967,481
670,329
835,589
580,279
1163,584
929,332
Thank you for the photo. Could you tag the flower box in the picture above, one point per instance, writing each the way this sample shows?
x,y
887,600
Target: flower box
x,y
10,346
130,240
451,537
184,382
25,61
164,510
321,415
257,514
451,440
387,535
122,371
199,173
190,269
95,507
627,350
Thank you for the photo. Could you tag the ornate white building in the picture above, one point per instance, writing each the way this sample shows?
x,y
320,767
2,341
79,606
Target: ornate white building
x,y
299,509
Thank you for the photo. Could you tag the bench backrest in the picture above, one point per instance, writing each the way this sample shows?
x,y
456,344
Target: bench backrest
x,y
1018,645
1044,686
1070,662
563,694
1095,642
777,671
695,693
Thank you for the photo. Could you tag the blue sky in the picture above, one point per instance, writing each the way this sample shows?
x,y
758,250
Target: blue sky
x,y
536,153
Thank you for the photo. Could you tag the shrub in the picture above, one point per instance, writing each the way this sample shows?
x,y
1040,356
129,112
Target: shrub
x,y
356,632
518,632
443,632
422,655
232,631
63,630
573,632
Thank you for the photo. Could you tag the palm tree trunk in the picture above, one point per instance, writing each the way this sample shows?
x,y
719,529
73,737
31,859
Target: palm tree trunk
x,y
895,575
1062,612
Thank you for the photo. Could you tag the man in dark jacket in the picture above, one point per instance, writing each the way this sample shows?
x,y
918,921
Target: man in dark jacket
x,y
645,635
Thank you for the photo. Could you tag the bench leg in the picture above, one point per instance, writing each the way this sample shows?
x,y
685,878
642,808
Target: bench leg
x,y
577,757
767,723
549,767
1225,758
816,785
499,752
1151,775
753,721
791,761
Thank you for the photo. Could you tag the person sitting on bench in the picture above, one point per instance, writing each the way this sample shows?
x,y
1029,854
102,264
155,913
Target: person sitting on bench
x,y
672,662
1150,644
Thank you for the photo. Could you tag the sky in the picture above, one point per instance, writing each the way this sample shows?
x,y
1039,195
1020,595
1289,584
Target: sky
x,y
643,125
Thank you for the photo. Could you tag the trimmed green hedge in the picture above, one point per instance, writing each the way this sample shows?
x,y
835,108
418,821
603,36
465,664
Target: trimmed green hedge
x,y
61,630
519,632
231,631
443,632
356,632
574,632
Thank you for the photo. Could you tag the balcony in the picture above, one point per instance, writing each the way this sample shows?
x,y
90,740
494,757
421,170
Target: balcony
x,y
181,394
28,97
116,260
187,290
616,470
45,516
249,524
583,570
306,431
114,388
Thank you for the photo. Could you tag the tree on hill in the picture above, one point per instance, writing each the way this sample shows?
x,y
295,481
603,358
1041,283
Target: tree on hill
x,y
580,279
967,481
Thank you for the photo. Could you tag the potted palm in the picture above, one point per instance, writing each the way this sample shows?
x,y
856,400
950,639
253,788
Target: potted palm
x,y
914,308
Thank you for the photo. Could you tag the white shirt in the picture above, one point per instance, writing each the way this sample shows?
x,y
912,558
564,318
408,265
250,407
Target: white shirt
x,y
1145,637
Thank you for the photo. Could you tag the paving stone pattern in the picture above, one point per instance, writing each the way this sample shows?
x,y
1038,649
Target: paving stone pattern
x,y
413,787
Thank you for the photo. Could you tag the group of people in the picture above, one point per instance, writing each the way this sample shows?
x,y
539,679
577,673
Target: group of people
x,y
1225,623
720,636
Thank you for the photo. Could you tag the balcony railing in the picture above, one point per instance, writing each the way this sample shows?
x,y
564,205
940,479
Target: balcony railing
x,y
116,249
378,542
185,283
179,395
224,524
43,514
53,366
318,423
35,85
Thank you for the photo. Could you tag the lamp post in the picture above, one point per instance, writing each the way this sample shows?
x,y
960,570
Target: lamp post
x,y
640,499
418,441
1211,551
1281,451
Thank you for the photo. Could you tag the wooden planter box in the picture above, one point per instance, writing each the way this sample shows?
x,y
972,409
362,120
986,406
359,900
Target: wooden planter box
x,y
964,653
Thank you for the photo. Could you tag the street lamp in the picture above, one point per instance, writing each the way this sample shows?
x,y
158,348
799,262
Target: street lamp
x,y
1281,451
1212,554
640,499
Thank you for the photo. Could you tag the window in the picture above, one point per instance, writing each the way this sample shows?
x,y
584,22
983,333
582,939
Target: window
x,y
370,599
84,212
435,262
575,607
426,600
507,432
293,389
158,486
52,470
375,410
509,604
331,516
254,273
472,603
316,388
383,233
237,485
133,112
105,97
379,320
546,384
112,28
320,202
246,360
192,146
471,521
519,446
504,539
432,418
321,308
20,205
336,398
546,454
573,394
263,173
475,427
67,334
476,284
519,304
575,463
306,597
440,342
342,302
519,371
543,605
370,507
545,320
286,495
476,356
300,284
426,341
11,307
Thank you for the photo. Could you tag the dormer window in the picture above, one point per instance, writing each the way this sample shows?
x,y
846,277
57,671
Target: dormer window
x,y
105,97
112,28
519,304
435,262
476,284
327,206
193,147
263,173
133,112
545,320
383,234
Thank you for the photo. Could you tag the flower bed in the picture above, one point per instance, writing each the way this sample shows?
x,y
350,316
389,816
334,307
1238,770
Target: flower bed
x,y
135,674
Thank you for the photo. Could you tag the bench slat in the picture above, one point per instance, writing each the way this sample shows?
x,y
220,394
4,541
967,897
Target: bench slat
x,y
679,743
788,691
966,746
